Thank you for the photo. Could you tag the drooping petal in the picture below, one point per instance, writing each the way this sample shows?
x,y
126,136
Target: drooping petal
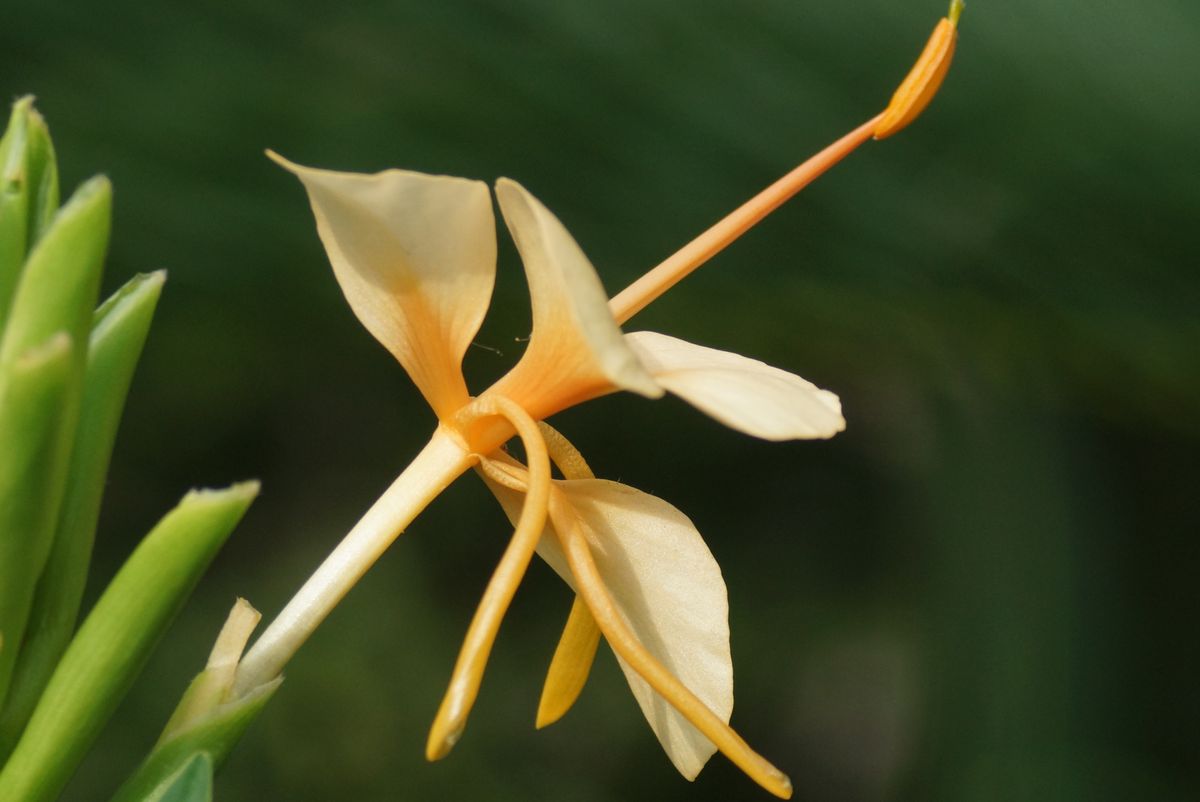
x,y
572,537
668,588
742,393
415,256
576,350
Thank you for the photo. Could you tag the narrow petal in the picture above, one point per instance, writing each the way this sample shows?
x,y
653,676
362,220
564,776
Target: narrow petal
x,y
742,393
415,256
571,665
572,662
576,350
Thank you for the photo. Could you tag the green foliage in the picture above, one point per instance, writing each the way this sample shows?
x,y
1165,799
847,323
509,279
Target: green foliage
x,y
33,400
61,278
28,192
118,332
41,358
65,372
116,639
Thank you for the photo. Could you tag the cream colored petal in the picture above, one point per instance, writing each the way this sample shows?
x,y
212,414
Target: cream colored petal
x,y
670,591
668,588
576,350
742,393
415,256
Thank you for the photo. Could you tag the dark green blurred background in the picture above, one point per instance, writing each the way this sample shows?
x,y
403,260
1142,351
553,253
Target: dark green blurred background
x,y
984,590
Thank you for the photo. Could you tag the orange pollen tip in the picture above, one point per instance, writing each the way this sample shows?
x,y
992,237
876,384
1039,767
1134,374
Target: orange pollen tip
x,y
926,76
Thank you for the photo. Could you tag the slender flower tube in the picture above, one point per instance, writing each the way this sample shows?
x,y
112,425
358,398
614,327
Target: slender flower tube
x,y
415,257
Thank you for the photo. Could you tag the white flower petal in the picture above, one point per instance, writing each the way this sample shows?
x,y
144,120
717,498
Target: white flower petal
x,y
742,393
576,350
669,589
415,256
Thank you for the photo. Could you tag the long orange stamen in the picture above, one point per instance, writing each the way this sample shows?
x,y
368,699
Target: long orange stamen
x,y
676,267
914,94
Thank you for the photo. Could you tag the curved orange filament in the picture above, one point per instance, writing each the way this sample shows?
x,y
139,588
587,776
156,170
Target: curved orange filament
x,y
477,645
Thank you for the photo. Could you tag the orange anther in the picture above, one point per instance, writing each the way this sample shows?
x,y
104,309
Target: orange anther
x,y
923,81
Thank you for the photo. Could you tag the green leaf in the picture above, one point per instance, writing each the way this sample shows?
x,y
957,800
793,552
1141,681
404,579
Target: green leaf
x,y
42,167
115,640
28,192
192,784
118,332
34,394
56,293
61,279
14,202
215,736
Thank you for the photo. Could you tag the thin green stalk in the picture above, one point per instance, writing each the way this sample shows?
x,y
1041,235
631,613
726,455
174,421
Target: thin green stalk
x,y
215,737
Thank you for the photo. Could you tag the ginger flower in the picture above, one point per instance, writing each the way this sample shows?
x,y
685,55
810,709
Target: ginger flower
x,y
415,256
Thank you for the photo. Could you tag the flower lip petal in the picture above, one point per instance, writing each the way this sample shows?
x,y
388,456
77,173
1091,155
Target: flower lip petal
x,y
576,350
415,256
742,393
668,587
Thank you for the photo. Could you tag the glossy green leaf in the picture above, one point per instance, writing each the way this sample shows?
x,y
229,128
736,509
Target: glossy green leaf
x,y
14,202
118,332
42,167
34,392
28,192
55,295
115,640
60,281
